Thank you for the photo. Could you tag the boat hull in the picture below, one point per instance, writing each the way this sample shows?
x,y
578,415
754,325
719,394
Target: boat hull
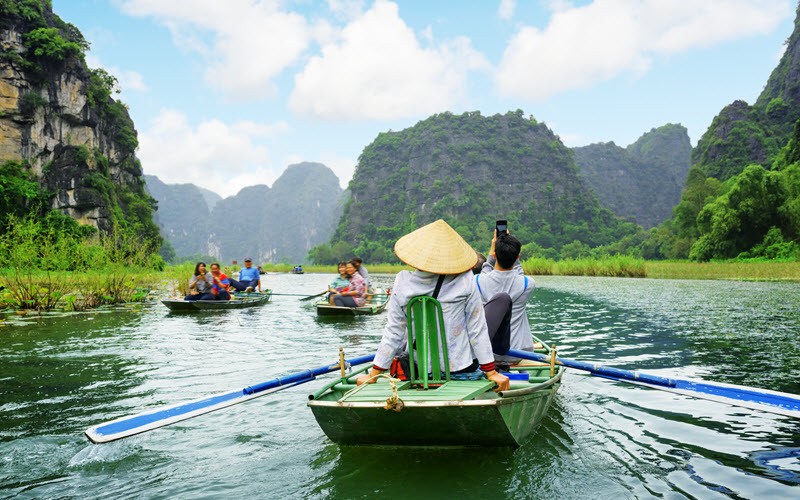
x,y
325,309
485,421
240,301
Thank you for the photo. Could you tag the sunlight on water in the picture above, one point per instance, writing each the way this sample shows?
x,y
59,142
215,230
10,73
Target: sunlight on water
x,y
62,373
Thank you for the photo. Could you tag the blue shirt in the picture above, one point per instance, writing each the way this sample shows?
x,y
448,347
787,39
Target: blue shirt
x,y
248,274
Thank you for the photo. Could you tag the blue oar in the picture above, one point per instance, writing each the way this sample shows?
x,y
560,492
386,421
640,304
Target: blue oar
x,y
153,419
781,403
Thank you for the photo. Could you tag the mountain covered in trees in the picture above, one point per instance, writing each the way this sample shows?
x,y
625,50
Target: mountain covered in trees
x,y
278,224
67,149
741,197
642,182
470,170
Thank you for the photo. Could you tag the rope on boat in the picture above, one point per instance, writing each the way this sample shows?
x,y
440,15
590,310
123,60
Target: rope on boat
x,y
393,402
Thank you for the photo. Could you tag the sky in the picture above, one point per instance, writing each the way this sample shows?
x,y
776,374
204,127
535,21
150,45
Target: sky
x,y
227,94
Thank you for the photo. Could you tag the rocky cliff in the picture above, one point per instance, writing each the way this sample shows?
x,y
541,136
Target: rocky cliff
x,y
58,117
642,182
742,134
268,224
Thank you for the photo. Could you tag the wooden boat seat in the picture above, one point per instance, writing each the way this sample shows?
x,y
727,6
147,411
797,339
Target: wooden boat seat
x,y
455,390
427,337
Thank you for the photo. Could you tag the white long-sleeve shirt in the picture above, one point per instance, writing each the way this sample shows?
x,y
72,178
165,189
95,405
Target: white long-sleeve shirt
x,y
513,282
464,320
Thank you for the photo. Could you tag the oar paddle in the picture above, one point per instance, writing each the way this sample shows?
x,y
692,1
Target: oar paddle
x,y
314,296
781,403
153,419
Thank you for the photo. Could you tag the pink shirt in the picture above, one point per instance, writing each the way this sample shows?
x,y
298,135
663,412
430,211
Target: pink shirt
x,y
357,285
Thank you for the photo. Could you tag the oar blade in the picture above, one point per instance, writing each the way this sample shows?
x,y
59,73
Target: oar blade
x,y
161,417
781,403
313,296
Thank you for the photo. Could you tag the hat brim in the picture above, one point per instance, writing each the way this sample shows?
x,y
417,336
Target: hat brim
x,y
436,248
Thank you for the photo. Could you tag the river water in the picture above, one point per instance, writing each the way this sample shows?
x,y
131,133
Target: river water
x,y
59,374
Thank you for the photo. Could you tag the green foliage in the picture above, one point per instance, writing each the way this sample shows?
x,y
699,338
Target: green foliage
x,y
773,247
18,191
100,87
48,44
28,11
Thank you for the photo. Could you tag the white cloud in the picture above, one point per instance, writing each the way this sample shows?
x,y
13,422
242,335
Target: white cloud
x,y
378,70
506,9
347,9
585,45
246,43
215,155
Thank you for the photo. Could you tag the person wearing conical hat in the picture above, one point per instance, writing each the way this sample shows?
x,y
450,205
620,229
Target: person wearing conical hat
x,y
439,254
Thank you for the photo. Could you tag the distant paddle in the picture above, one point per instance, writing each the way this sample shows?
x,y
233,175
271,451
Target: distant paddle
x,y
160,417
314,296
781,403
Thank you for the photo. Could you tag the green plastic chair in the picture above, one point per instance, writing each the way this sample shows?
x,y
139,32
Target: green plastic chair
x,y
425,324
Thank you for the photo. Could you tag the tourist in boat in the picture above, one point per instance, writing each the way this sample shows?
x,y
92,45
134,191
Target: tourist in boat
x,y
340,284
355,294
443,264
249,279
221,283
504,291
362,270
200,282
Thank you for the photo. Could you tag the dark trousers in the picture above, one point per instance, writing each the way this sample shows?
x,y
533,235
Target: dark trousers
x,y
222,295
498,319
344,301
240,286
201,296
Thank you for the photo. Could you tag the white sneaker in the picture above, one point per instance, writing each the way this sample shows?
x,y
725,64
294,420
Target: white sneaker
x,y
248,289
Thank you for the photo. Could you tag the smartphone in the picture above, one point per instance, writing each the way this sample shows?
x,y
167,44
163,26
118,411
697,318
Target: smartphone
x,y
501,226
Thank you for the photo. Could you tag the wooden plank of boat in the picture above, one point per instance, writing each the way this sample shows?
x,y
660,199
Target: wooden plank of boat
x,y
458,413
325,309
238,301
377,305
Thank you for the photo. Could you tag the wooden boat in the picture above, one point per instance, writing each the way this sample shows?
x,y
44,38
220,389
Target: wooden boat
x,y
455,413
376,306
238,300
297,270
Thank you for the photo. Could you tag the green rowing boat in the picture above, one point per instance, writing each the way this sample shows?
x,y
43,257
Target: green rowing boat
x,y
432,408
455,413
376,306
238,300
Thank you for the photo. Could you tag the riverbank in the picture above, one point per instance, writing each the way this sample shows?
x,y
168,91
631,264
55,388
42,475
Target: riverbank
x,y
619,266
72,291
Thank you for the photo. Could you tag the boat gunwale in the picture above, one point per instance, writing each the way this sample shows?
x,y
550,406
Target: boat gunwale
x,y
494,401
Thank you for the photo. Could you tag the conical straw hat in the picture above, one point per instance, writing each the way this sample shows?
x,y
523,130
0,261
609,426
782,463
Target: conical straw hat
x,y
436,248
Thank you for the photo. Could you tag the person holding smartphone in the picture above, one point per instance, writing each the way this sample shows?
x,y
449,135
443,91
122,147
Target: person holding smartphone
x,y
505,291
200,282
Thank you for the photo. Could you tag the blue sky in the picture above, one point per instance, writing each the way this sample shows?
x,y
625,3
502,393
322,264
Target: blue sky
x,y
227,94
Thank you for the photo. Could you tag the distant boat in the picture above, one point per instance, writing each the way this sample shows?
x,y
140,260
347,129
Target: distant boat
x,y
451,413
376,306
297,270
238,300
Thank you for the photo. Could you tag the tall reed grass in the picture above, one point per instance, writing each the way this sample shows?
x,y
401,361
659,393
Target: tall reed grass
x,y
618,265
728,270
